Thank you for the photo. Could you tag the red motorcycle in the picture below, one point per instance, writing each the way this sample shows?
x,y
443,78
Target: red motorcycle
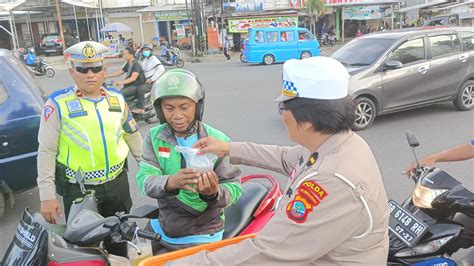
x,y
78,242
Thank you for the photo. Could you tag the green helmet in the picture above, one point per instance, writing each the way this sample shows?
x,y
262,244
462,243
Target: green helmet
x,y
178,83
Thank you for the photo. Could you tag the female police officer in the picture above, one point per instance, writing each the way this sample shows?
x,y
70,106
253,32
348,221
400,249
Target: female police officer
x,y
334,209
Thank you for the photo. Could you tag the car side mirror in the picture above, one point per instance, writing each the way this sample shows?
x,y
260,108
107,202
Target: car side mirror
x,y
392,64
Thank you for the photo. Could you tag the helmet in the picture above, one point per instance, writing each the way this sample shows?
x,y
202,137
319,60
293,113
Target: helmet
x,y
148,45
175,83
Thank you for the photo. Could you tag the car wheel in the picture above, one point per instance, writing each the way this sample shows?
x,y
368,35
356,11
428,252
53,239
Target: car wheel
x,y
365,113
268,59
242,58
465,99
2,204
306,54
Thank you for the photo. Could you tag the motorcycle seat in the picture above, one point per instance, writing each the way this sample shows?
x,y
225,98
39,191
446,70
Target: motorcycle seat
x,y
239,215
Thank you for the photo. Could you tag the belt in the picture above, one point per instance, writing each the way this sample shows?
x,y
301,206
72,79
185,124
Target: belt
x,y
94,174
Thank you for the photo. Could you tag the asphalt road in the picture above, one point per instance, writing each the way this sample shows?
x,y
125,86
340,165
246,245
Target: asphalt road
x,y
239,101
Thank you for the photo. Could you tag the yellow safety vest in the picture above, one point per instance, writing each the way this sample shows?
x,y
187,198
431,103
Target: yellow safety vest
x,y
91,135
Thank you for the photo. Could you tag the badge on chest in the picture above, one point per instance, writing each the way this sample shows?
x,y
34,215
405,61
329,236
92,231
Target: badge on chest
x,y
75,108
114,104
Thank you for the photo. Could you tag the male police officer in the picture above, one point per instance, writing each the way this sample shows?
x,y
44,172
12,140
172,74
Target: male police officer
x,y
334,211
87,128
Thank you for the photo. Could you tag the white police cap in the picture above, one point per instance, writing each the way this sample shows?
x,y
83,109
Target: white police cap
x,y
315,78
87,52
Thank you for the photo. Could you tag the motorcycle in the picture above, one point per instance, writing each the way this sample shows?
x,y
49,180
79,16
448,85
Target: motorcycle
x,y
149,115
37,242
43,69
175,58
422,229
328,38
78,242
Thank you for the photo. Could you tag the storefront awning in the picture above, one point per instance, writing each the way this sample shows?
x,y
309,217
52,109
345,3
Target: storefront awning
x,y
79,4
420,6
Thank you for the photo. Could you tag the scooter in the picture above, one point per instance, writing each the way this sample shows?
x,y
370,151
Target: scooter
x,y
43,69
175,58
149,116
328,38
38,243
422,229
78,242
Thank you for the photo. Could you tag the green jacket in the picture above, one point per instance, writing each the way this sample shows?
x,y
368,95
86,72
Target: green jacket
x,y
183,212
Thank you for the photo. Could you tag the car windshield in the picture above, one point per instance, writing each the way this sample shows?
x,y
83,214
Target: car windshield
x,y
363,51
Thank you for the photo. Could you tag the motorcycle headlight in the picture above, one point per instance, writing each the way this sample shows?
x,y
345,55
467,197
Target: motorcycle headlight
x,y
423,196
426,248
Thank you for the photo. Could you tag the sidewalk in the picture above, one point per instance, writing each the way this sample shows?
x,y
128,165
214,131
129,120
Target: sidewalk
x,y
59,63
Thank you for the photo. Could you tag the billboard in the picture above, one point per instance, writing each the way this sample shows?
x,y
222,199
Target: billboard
x,y
242,25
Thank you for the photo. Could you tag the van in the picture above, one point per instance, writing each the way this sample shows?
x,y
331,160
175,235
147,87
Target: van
x,y
21,105
271,45
398,70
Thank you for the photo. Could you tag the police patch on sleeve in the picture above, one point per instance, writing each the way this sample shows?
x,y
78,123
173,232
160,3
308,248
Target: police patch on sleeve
x,y
130,125
309,195
47,111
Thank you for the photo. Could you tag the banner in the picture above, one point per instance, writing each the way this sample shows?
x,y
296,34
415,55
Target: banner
x,y
367,12
180,31
249,6
242,25
171,15
148,17
297,4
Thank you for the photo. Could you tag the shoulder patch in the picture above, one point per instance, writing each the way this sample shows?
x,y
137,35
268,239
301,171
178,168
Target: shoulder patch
x,y
47,111
309,195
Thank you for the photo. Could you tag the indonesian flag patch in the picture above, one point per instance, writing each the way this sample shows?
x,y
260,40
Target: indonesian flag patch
x,y
164,152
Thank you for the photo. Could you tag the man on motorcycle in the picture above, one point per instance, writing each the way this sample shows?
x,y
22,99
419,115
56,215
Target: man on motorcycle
x,y
165,51
459,153
191,203
31,59
151,65
132,85
334,211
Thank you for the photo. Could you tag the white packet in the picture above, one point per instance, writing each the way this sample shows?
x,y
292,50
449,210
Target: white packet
x,y
199,162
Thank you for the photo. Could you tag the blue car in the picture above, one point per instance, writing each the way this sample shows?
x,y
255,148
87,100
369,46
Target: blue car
x,y
270,45
21,103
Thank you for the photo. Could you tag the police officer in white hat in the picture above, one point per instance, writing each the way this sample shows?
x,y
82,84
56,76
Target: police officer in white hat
x,y
88,128
334,208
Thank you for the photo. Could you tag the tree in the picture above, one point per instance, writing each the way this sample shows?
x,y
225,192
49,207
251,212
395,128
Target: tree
x,y
314,8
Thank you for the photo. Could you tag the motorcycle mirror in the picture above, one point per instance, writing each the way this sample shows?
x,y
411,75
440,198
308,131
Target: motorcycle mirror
x,y
412,141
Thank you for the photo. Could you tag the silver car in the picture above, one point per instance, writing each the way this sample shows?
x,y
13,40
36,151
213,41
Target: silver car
x,y
404,69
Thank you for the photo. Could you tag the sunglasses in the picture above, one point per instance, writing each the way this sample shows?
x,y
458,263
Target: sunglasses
x,y
85,70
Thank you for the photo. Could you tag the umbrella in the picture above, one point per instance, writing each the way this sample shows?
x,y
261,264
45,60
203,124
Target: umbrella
x,y
116,27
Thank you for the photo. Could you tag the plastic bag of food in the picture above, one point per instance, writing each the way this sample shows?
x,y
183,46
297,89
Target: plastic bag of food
x,y
194,160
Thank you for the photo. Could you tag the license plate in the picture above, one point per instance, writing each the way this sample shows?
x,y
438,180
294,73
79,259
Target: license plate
x,y
405,225
51,51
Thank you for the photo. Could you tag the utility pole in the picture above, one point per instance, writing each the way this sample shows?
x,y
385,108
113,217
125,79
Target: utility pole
x,y
60,23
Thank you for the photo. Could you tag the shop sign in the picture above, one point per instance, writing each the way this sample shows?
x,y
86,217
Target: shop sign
x,y
242,25
359,2
171,15
249,6
367,12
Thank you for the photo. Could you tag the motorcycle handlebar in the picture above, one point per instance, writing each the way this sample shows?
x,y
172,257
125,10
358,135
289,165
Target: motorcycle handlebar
x,y
148,235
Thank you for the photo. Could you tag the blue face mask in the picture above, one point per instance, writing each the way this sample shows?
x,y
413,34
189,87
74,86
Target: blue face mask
x,y
146,53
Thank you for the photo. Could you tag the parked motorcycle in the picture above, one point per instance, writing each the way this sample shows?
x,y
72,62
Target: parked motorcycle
x,y
37,242
422,229
43,69
328,39
175,58
149,116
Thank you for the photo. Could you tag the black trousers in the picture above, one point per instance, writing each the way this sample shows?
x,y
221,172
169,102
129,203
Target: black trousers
x,y
138,90
112,197
226,53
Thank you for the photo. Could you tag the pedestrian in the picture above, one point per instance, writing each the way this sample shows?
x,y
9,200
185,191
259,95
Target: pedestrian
x,y
334,210
88,128
227,48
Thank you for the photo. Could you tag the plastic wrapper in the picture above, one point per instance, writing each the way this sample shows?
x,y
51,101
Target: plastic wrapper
x,y
199,162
